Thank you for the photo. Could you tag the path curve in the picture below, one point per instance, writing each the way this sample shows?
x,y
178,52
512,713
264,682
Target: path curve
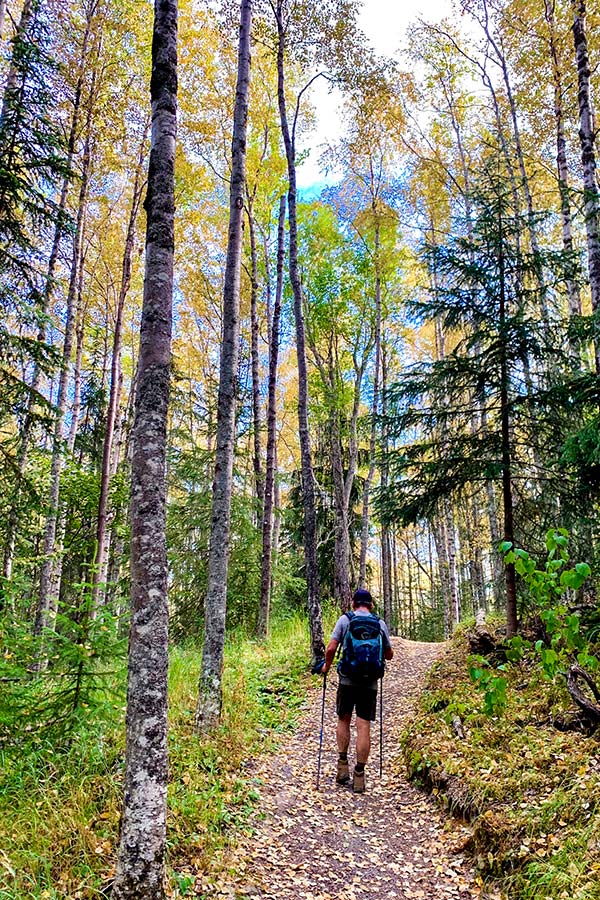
x,y
391,842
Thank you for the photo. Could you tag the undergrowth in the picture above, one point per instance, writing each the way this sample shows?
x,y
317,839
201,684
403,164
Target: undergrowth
x,y
531,791
60,805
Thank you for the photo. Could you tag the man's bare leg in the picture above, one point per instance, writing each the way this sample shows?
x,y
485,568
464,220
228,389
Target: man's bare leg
x,y
363,740
343,733
363,745
343,741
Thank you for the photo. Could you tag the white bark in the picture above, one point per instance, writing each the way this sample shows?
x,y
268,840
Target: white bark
x,y
208,710
140,863
588,161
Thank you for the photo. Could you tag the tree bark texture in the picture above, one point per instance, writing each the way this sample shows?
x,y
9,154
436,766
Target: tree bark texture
x,y
317,639
208,710
262,627
588,161
256,405
507,503
140,863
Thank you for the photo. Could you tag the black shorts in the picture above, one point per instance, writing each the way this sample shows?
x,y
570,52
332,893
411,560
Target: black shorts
x,y
363,699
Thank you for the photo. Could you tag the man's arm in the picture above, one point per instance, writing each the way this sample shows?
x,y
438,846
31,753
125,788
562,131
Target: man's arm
x,y
329,655
388,653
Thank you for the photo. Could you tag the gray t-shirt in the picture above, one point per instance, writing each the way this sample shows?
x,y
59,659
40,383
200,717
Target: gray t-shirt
x,y
339,633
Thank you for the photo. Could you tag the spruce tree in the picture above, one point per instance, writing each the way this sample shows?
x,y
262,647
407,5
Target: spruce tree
x,y
486,297
33,161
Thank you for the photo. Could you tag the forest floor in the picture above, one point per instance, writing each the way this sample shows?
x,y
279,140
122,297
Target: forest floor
x,y
393,841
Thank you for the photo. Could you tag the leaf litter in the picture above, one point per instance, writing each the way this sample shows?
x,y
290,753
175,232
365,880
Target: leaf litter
x,y
393,841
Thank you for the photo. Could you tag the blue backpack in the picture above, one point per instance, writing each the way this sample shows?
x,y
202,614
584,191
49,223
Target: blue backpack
x,y
362,650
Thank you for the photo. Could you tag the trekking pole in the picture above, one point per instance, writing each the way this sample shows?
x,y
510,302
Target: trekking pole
x,y
381,729
321,733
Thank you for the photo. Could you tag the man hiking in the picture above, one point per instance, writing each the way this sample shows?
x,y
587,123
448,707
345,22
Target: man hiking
x,y
365,644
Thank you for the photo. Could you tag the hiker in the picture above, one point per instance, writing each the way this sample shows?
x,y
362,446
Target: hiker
x,y
358,676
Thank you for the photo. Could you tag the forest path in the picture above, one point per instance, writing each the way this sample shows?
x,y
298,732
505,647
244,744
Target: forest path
x,y
332,844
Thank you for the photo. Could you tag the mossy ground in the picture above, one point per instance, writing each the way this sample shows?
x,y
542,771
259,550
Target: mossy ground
x,y
531,791
60,806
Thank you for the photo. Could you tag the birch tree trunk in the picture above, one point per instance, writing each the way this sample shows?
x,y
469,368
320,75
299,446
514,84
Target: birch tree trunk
x,y
386,561
262,626
317,639
573,292
208,710
364,534
397,622
341,553
99,575
2,17
256,411
342,482
451,555
439,537
588,161
27,12
47,601
511,585
79,343
531,225
140,862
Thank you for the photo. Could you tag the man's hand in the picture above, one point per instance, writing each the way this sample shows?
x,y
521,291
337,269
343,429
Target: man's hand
x,y
319,668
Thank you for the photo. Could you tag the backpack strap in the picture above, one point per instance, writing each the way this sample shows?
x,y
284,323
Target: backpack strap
x,y
340,648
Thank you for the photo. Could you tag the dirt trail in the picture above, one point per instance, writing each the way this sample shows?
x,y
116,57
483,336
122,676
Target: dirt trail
x,y
391,842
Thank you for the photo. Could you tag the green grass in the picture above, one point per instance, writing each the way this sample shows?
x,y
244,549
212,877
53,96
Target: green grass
x,y
533,791
59,808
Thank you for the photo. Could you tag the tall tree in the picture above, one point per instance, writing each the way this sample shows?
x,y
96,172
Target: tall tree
x,y
140,863
587,137
486,297
208,709
48,599
562,166
99,575
308,479
267,522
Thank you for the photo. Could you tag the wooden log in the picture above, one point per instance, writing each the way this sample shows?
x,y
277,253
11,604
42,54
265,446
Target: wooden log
x,y
481,641
576,674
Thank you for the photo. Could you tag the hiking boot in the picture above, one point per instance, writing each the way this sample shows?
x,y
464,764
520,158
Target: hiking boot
x,y
343,772
358,782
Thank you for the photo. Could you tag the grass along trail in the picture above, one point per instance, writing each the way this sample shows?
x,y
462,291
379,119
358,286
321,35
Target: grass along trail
x,y
332,844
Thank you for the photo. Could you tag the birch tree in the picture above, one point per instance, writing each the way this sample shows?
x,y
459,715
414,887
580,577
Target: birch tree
x,y
269,497
587,136
208,709
140,863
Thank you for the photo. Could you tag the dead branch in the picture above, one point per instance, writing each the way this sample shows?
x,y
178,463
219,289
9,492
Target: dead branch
x,y
575,675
